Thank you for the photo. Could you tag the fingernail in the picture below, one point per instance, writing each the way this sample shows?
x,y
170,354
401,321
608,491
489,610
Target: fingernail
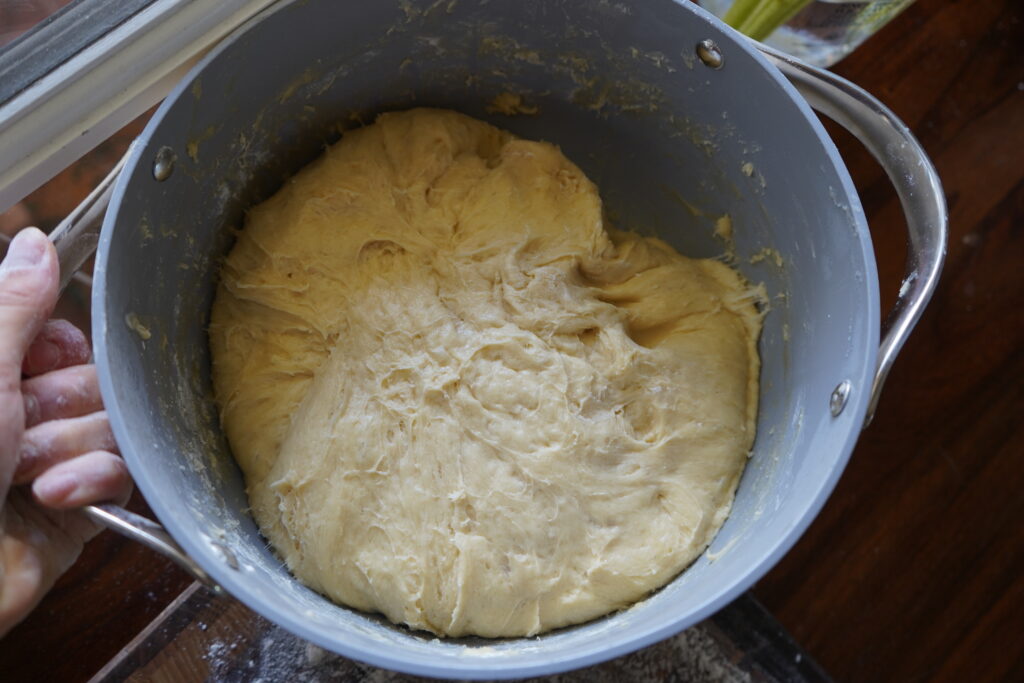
x,y
26,249
55,488
45,354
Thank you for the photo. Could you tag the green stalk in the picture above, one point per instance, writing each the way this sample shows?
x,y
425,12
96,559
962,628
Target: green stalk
x,y
758,18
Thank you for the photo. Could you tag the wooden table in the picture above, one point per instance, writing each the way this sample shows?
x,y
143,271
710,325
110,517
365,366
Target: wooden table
x,y
915,568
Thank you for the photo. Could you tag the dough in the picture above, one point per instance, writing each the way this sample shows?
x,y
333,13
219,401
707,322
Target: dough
x,y
460,398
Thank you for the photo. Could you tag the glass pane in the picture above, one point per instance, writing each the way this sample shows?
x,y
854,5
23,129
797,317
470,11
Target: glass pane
x,y
18,16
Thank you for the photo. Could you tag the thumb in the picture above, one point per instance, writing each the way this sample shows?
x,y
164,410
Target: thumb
x,y
28,291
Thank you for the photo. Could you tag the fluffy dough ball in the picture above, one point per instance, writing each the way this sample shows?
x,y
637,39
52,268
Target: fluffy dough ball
x,y
460,398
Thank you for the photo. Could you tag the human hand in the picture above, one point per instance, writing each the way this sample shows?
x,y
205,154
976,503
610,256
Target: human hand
x,y
54,434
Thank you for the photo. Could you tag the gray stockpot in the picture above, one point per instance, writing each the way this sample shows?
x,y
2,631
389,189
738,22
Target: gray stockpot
x,y
676,118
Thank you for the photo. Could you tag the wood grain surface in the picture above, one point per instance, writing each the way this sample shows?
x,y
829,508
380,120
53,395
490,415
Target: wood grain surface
x,y
202,637
914,570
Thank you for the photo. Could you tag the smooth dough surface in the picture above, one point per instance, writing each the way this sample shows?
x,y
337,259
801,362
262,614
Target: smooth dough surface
x,y
460,398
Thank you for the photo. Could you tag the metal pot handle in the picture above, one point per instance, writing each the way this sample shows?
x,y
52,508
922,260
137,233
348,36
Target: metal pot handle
x,y
75,239
916,182
149,534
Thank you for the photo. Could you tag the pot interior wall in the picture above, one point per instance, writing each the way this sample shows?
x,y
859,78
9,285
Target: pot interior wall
x,y
672,144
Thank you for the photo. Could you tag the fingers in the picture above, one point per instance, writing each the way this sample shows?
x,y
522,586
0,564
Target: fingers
x,y
53,442
58,345
96,477
57,395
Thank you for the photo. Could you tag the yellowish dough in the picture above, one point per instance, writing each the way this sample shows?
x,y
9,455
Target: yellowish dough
x,y
461,399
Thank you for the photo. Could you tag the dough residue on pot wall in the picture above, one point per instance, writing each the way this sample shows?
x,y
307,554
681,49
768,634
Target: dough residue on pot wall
x,y
510,104
136,326
461,398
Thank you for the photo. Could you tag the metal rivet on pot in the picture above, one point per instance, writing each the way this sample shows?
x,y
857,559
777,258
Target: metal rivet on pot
x,y
225,554
837,401
163,164
710,54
